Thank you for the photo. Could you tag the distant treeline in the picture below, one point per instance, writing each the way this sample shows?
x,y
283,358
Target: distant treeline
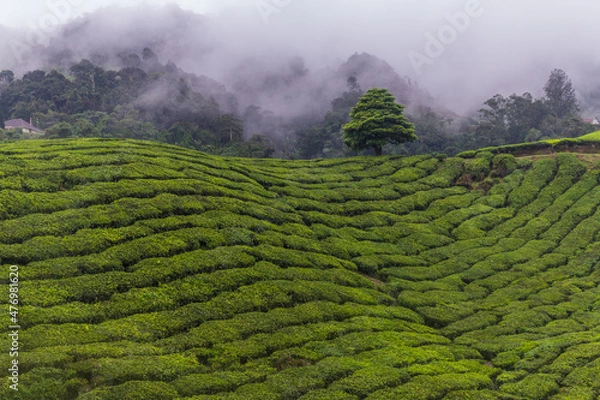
x,y
144,99
141,100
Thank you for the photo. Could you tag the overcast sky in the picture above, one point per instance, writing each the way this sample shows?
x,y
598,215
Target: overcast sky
x,y
17,13
462,51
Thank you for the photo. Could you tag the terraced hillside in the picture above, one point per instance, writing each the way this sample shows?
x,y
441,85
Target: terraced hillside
x,y
153,272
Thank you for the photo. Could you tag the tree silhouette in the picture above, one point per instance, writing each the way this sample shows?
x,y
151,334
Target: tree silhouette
x,y
560,95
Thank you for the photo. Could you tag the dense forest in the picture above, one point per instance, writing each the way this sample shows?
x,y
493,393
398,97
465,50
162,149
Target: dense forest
x,y
141,98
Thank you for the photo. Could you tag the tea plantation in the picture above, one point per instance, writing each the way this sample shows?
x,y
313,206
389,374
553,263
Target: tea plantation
x,y
153,272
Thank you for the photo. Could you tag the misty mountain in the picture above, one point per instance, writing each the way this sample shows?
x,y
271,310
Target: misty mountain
x,y
270,67
280,83
371,71
188,71
108,33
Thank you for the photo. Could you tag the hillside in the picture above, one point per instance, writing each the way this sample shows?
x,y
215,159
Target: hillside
x,y
148,271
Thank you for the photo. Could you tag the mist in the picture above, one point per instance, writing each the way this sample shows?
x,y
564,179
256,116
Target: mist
x,y
290,57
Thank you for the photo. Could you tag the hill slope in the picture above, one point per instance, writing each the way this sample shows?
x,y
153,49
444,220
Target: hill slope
x,y
149,271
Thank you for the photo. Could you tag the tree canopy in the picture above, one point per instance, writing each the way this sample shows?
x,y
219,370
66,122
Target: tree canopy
x,y
377,120
145,99
560,95
517,119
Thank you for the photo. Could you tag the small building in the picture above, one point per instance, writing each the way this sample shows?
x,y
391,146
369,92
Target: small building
x,y
26,127
591,121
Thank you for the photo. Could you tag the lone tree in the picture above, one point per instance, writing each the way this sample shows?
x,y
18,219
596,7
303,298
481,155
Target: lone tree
x,y
560,95
376,121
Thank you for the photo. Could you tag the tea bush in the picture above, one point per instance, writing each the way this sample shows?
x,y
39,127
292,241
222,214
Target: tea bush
x,y
150,271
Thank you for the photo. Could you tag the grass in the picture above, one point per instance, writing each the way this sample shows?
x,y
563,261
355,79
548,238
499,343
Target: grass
x,y
148,271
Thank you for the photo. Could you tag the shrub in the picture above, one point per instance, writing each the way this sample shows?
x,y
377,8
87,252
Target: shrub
x,y
328,394
446,175
538,386
149,270
47,383
535,179
408,174
537,358
479,320
139,368
575,393
368,380
475,394
427,387
134,390
479,167
503,165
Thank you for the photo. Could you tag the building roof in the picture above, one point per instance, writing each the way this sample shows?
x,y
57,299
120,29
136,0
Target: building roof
x,y
19,123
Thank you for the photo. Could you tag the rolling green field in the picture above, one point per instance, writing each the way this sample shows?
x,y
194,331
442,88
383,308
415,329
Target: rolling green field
x,y
153,272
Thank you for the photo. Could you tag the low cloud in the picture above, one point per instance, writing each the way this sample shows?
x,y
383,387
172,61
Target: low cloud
x,y
504,47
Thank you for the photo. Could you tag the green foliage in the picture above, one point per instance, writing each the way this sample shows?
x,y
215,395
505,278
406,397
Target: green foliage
x,y
478,168
591,137
377,120
538,386
91,101
503,165
134,390
535,179
560,95
445,175
149,271
60,130
369,380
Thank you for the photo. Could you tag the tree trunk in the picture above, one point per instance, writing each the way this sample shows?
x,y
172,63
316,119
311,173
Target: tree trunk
x,y
378,150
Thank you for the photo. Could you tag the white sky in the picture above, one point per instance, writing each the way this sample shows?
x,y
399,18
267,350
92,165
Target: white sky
x,y
18,13
22,12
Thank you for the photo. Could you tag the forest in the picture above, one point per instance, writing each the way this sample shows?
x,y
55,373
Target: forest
x,y
142,98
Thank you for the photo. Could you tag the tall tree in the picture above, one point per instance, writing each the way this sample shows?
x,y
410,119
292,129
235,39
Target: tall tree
x,y
229,128
560,95
377,120
510,119
431,130
524,113
7,77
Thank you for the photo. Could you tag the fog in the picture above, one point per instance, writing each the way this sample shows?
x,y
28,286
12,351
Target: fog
x,y
461,52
